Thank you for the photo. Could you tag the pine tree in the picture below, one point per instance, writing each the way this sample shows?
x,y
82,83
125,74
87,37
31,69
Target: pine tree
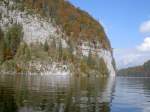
x,y
33,2
46,47
14,35
27,53
70,49
53,44
52,50
23,52
103,68
89,60
60,50
1,45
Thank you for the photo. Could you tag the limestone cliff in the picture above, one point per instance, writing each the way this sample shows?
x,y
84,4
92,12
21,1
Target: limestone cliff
x,y
52,36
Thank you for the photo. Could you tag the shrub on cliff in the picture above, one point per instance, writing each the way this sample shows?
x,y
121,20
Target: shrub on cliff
x,y
12,41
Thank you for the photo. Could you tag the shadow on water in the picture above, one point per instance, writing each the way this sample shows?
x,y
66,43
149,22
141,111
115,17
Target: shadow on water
x,y
7,100
34,93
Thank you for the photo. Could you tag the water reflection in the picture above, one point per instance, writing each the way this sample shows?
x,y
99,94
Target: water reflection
x,y
7,101
132,94
34,93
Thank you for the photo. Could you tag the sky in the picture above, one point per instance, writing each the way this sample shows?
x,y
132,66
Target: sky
x,y
127,24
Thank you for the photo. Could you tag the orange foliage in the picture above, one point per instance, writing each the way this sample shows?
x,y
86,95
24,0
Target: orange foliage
x,y
72,19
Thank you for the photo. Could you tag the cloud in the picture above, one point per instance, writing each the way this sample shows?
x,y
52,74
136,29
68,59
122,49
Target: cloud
x,y
145,27
130,57
145,46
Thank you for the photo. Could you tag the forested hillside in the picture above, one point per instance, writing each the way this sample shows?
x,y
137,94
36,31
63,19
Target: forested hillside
x,y
143,70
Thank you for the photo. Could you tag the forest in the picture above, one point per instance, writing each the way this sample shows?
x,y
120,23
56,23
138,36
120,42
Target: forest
x,y
139,71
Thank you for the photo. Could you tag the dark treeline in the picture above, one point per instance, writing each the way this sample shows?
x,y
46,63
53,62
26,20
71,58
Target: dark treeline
x,y
138,71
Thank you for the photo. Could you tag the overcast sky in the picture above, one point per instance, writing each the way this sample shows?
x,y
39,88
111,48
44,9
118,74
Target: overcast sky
x,y
127,24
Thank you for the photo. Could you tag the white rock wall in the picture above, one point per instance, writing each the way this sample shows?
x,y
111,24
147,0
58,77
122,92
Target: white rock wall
x,y
35,28
38,29
102,53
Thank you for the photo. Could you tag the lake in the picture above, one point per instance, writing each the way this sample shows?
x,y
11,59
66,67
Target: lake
x,y
35,93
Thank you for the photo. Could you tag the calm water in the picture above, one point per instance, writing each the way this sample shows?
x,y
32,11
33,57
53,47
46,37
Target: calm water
x,y
23,93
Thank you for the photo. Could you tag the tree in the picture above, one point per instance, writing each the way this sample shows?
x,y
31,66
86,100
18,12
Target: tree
x,y
1,45
33,2
45,8
23,52
14,35
89,59
27,53
83,66
52,49
102,67
53,44
60,50
46,46
70,49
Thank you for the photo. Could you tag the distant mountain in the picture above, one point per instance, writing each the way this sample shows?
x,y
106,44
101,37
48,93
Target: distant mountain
x,y
143,70
52,36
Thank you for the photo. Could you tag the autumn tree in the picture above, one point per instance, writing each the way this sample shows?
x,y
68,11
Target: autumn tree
x,y
66,15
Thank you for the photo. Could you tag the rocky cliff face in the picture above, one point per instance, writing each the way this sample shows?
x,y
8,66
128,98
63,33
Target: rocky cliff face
x,y
52,45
